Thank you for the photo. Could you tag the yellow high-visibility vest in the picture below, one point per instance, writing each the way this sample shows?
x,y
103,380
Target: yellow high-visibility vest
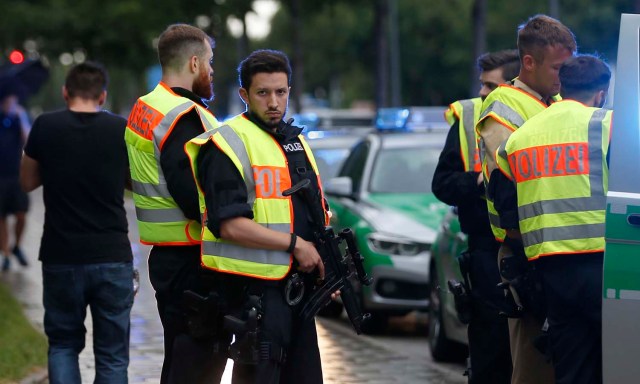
x,y
467,113
511,107
160,220
263,166
558,164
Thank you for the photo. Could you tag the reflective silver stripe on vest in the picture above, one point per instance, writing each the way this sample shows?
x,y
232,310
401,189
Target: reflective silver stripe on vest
x,y
167,215
468,112
167,121
597,200
150,190
596,177
232,251
205,121
502,151
237,146
576,204
504,111
494,219
572,232
163,128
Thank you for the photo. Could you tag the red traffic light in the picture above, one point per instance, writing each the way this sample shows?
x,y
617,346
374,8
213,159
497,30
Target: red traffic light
x,y
16,57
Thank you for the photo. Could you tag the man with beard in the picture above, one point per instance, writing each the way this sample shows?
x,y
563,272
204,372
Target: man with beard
x,y
255,238
544,44
166,199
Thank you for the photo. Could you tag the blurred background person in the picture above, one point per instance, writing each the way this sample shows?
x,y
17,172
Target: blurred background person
x,y
14,127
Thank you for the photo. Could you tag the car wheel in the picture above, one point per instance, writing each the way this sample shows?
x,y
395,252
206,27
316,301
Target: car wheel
x,y
442,348
333,310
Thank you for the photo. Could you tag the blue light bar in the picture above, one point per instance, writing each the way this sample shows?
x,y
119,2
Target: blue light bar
x,y
392,119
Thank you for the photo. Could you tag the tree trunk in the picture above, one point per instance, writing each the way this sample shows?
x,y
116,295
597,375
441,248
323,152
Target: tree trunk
x,y
394,48
554,8
382,53
479,16
297,61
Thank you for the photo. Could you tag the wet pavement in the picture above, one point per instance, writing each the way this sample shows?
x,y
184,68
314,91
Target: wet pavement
x,y
346,358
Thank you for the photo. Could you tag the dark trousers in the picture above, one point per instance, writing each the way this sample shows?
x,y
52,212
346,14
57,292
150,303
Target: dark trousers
x,y
172,270
488,332
280,327
573,289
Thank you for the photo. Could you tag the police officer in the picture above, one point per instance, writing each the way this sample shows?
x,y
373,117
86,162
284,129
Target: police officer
x,y
543,44
255,238
553,188
165,195
458,181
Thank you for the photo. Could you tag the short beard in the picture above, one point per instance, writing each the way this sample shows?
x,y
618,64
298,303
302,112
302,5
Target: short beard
x,y
203,87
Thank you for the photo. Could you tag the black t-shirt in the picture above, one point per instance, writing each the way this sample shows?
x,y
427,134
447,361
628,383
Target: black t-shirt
x,y
453,186
226,192
83,167
11,143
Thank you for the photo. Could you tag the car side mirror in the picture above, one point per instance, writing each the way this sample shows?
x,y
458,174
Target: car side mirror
x,y
339,186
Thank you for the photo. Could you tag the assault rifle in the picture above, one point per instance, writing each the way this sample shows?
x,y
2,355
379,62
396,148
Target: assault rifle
x,y
336,267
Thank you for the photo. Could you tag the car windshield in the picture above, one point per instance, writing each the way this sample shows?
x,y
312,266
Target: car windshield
x,y
404,170
330,160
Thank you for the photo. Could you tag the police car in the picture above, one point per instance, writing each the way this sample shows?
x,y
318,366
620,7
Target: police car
x,y
383,192
447,335
621,290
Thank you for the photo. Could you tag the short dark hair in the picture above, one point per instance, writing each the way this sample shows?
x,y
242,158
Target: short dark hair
x,y
263,61
582,76
178,43
507,59
86,80
542,31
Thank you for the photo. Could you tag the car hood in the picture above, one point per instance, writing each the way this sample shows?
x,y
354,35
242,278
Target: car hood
x,y
417,215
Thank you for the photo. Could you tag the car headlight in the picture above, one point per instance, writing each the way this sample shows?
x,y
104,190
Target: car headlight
x,y
393,245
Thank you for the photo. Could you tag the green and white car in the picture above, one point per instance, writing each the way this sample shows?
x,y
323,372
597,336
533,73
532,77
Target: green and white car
x,y
621,291
447,335
383,192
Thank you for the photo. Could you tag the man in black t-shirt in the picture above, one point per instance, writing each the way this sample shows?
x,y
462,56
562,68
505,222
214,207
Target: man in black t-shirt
x,y
14,126
78,155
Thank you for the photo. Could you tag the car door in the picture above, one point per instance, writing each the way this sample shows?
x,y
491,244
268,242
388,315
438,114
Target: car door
x,y
621,290
345,208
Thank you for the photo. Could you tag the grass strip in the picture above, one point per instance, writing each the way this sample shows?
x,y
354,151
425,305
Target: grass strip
x,y
22,347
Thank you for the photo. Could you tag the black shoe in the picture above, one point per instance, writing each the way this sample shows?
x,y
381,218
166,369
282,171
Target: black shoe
x,y
20,256
6,263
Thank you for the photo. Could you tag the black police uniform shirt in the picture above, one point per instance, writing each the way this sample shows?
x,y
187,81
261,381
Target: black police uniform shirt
x,y
83,166
174,161
453,186
226,191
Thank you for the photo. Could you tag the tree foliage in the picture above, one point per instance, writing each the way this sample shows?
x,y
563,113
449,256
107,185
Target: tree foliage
x,y
336,40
